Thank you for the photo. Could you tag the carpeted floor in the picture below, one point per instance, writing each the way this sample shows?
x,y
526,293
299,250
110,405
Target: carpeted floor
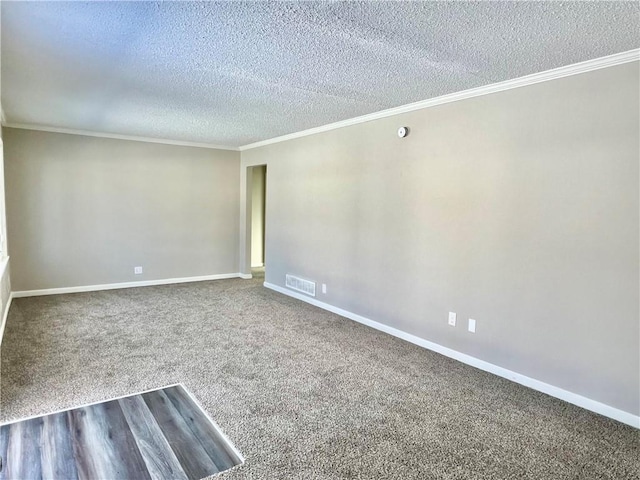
x,y
301,392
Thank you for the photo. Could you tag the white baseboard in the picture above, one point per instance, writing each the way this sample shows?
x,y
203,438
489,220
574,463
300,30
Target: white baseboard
x,y
114,286
575,399
246,276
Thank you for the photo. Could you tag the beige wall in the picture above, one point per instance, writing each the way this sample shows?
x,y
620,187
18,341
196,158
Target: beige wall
x,y
518,209
85,211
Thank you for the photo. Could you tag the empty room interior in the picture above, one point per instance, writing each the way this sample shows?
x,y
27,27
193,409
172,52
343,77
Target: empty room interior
x,y
320,240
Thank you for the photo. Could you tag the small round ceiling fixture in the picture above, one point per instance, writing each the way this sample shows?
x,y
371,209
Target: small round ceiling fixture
x,y
403,132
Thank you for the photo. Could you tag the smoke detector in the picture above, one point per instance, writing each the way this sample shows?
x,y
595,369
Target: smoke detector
x,y
403,132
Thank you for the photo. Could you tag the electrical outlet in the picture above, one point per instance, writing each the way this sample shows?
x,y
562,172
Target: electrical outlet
x,y
324,288
472,325
137,270
452,319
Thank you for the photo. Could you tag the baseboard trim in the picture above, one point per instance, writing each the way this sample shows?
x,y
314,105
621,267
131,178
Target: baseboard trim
x,y
573,398
245,276
115,286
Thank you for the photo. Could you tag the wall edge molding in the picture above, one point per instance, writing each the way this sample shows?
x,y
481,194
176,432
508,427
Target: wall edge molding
x,y
116,136
557,392
116,286
4,264
5,316
532,79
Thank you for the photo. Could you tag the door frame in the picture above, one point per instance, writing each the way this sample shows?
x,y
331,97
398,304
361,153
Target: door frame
x,y
246,196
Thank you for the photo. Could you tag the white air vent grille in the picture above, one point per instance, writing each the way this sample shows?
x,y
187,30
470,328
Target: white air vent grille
x,y
301,285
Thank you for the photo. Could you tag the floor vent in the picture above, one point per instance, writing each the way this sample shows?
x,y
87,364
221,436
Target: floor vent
x,y
301,285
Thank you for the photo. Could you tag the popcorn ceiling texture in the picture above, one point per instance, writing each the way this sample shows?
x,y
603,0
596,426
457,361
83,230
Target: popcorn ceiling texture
x,y
233,73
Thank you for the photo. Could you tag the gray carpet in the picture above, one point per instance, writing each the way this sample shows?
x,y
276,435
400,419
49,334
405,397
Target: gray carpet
x,y
302,393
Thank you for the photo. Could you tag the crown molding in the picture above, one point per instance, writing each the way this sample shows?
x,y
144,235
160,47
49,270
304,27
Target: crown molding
x,y
554,74
89,133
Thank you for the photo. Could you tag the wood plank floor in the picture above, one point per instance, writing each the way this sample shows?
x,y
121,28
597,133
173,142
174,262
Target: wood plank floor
x,y
160,434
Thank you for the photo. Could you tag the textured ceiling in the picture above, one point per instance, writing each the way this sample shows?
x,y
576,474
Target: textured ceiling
x,y
232,73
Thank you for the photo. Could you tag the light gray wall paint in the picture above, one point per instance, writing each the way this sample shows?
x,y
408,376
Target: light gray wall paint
x,y
85,211
257,216
518,209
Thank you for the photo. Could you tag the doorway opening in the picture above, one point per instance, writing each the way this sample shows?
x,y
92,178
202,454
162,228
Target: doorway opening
x,y
258,220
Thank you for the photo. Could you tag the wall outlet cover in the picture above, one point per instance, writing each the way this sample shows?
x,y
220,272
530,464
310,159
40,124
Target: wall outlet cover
x,y
452,319
137,270
472,325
